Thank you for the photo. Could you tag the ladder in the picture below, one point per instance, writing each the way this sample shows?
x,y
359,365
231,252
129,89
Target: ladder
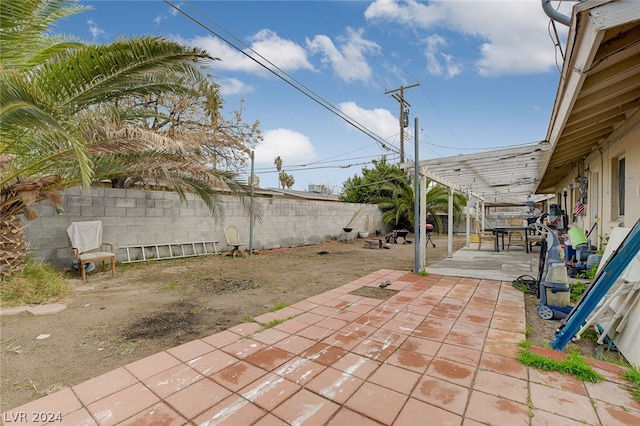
x,y
615,317
602,283
145,252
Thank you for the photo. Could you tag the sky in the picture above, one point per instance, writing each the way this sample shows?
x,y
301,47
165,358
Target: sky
x,y
478,74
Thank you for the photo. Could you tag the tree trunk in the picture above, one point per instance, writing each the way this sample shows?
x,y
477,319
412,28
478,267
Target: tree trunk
x,y
13,247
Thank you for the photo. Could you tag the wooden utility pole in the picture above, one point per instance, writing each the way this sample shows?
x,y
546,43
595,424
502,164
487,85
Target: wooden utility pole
x,y
403,104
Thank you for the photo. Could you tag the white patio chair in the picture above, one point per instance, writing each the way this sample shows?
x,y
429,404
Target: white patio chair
x,y
86,240
232,235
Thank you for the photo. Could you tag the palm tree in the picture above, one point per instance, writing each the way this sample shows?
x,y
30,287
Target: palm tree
x,y
285,179
64,119
399,206
289,181
278,163
372,184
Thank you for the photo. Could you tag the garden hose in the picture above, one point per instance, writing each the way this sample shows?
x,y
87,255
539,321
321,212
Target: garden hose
x,y
526,283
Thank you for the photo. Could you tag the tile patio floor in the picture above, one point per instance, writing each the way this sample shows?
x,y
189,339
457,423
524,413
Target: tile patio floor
x,y
440,351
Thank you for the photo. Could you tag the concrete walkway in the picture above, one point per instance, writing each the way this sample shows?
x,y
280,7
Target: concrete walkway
x,y
441,350
489,265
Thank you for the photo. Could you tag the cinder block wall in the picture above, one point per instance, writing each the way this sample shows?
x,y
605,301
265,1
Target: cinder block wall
x,y
134,217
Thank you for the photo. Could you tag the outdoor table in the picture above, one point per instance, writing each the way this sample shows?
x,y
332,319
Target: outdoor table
x,y
497,232
503,230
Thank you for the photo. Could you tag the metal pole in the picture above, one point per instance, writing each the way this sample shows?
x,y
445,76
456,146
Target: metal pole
x,y
416,206
469,215
423,222
251,215
450,224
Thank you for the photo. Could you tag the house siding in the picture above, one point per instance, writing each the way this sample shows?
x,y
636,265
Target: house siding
x,y
599,169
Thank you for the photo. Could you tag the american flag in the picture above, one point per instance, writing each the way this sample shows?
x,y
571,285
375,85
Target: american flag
x,y
578,208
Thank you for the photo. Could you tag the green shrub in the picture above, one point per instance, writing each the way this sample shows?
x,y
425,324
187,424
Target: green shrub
x,y
38,283
634,376
577,289
574,364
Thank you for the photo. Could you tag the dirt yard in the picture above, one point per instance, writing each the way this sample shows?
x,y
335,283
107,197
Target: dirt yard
x,y
150,307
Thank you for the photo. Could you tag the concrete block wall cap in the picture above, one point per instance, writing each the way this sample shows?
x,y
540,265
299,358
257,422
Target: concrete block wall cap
x,y
14,310
50,309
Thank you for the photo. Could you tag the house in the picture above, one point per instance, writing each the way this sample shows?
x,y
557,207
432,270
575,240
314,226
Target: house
x,y
594,131
594,137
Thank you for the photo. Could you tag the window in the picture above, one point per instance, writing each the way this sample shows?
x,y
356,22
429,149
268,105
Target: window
x,y
621,167
617,187
593,199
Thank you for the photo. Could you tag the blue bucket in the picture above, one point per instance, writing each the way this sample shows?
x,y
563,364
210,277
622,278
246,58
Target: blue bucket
x,y
88,267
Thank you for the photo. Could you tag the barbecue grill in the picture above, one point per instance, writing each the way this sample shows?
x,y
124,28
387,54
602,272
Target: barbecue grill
x,y
429,228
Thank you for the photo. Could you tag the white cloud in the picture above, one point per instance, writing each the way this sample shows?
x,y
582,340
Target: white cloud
x,y
409,12
439,63
379,120
513,34
172,12
454,67
94,29
233,86
291,146
283,53
347,59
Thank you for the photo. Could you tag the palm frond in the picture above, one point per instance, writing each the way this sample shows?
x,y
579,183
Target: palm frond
x,y
101,73
22,27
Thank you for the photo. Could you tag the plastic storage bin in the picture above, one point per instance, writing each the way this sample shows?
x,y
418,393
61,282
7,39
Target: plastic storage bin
x,y
557,273
558,294
557,285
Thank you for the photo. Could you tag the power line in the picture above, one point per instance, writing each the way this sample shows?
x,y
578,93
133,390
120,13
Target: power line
x,y
278,72
306,166
299,168
373,74
406,72
484,148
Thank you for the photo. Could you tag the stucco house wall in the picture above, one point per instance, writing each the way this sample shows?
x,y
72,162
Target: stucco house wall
x,y
600,170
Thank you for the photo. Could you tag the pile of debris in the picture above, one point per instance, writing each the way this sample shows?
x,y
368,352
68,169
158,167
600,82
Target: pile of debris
x,y
376,244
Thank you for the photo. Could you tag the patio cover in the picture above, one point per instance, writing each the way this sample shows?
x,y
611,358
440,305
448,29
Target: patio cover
x,y
503,176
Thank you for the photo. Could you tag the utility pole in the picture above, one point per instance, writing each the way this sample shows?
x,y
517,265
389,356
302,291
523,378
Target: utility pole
x,y
404,116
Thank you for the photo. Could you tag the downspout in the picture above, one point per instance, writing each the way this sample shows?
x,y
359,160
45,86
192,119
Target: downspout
x,y
554,14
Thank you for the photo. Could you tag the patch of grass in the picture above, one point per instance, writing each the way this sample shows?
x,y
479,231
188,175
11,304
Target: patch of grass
x,y
577,289
278,306
267,325
423,273
171,287
520,286
527,330
127,347
253,286
530,407
248,318
272,323
590,334
38,283
574,364
35,388
633,375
